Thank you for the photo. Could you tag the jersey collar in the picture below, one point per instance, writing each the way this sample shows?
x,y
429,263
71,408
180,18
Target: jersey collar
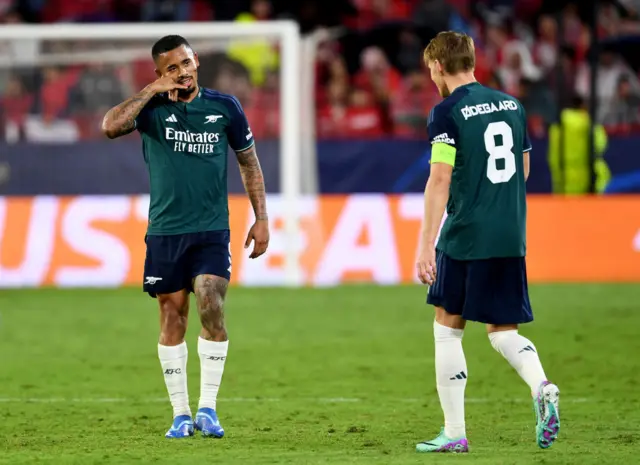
x,y
197,97
467,86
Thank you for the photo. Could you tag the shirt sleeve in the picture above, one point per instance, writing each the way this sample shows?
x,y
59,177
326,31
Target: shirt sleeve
x,y
442,135
143,120
238,132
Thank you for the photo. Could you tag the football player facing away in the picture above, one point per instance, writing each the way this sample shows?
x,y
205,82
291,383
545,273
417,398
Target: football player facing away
x,y
185,131
476,270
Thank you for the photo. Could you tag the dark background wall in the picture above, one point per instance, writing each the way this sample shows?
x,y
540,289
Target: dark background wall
x,y
388,166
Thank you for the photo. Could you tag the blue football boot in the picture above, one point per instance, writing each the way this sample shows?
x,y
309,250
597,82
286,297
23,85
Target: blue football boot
x,y
207,422
182,427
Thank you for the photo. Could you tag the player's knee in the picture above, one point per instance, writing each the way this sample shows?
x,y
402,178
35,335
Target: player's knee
x,y
210,296
501,328
449,320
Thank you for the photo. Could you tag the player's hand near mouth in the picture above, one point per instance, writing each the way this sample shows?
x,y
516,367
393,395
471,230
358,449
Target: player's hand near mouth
x,y
167,84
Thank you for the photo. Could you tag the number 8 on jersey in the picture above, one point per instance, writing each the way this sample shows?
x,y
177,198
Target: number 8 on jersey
x,y
482,133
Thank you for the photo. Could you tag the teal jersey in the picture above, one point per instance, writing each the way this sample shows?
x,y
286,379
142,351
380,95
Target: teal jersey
x,y
485,133
185,147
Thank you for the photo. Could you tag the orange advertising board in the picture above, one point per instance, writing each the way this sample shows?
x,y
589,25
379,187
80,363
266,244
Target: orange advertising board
x,y
99,241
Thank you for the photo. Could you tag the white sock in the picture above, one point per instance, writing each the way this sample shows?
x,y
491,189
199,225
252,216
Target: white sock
x,y
451,378
522,355
212,357
174,366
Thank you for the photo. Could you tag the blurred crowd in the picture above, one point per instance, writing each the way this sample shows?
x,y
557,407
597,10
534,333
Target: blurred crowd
x,y
370,80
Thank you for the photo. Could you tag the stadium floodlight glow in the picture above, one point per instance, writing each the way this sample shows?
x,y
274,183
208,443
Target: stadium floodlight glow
x,y
285,33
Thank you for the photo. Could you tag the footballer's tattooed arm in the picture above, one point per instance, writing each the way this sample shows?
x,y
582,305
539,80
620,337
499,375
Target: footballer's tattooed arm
x,y
121,119
253,181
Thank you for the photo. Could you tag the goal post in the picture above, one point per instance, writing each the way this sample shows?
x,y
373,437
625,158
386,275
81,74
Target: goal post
x,y
285,33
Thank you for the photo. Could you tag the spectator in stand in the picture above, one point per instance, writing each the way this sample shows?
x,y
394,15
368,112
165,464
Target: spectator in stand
x,y
333,114
16,104
517,65
576,34
266,104
546,47
410,53
376,99
538,102
365,118
409,105
257,55
571,23
611,69
564,83
376,73
349,113
380,79
624,111
510,55
97,90
330,66
54,92
618,19
231,77
22,52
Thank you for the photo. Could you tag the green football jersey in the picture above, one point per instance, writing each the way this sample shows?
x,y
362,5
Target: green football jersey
x,y
482,132
185,148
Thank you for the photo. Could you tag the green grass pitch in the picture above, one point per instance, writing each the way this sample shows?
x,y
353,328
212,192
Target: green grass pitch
x,y
336,376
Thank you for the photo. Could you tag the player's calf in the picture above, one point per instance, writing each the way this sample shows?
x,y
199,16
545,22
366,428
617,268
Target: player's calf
x,y
174,311
522,355
451,377
213,346
210,293
173,354
451,380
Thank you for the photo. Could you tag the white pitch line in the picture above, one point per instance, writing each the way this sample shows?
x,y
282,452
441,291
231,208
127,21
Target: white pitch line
x,y
331,400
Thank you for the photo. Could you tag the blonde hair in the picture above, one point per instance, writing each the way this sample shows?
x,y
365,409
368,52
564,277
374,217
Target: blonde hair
x,y
453,50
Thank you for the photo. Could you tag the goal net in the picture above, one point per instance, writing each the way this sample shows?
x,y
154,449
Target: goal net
x,y
57,82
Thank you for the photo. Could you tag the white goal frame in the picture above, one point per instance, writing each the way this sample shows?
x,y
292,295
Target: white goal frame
x,y
288,35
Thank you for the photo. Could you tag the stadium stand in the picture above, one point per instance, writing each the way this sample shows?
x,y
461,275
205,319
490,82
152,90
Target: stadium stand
x,y
370,80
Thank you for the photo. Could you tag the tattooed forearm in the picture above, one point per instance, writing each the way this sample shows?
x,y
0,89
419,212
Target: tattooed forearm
x,y
120,120
253,181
